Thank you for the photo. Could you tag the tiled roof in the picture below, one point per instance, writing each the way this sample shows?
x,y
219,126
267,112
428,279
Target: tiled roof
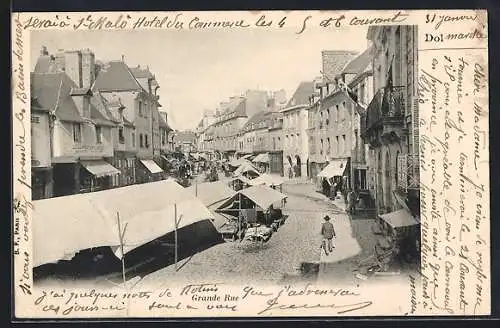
x,y
301,94
334,61
116,76
99,112
359,64
141,72
257,118
52,92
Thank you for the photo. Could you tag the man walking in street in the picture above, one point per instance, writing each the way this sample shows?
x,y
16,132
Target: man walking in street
x,y
328,232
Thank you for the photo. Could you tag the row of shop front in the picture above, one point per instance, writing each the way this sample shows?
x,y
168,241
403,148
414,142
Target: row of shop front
x,y
74,176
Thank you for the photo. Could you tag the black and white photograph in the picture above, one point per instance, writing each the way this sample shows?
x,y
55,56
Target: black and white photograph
x,y
198,157
304,169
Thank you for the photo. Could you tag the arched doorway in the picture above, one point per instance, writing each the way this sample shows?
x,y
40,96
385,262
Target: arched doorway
x,y
298,166
387,184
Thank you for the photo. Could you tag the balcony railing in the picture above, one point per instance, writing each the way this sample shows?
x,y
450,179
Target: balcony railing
x,y
408,172
388,103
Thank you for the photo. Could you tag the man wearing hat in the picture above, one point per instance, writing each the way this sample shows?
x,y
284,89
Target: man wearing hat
x,y
328,232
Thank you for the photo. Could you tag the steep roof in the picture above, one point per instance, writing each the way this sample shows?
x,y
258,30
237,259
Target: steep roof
x,y
257,118
301,94
43,64
334,62
52,92
141,72
359,64
116,76
99,112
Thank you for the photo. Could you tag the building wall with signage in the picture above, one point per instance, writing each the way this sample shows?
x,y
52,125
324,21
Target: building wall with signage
x,y
40,140
79,140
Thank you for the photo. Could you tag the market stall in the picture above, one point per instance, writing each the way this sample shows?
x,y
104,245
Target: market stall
x,y
330,179
268,180
123,219
256,211
247,170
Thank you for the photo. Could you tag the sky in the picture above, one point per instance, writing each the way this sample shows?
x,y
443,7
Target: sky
x,y
197,70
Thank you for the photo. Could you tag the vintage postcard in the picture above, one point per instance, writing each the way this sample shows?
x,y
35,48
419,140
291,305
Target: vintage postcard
x,y
250,164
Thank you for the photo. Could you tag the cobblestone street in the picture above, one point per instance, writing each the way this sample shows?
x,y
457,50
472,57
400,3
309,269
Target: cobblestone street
x,y
296,242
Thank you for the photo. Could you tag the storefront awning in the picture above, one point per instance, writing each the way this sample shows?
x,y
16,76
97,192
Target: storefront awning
x,y
164,157
100,168
399,218
261,158
333,169
151,166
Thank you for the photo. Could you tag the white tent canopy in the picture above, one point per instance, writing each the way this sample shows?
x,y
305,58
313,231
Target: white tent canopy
x,y
90,220
266,179
261,158
246,167
211,192
334,168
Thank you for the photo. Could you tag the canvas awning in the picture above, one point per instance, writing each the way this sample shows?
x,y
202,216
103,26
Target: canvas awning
x,y
261,158
151,166
399,218
247,167
164,158
333,169
242,179
211,192
90,220
246,156
100,168
266,179
262,196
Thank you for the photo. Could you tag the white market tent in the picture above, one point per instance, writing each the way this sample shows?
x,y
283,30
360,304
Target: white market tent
x,y
63,226
266,179
245,168
262,196
210,193
334,168
399,219
261,158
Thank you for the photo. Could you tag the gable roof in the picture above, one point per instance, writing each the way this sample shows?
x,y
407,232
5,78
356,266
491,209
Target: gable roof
x,y
334,62
359,64
116,76
257,118
301,94
141,72
99,112
52,92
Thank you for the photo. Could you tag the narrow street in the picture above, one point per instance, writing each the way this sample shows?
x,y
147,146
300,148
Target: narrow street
x,y
280,259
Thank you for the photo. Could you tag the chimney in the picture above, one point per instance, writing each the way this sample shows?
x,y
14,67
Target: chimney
x,y
43,51
73,66
88,68
123,58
